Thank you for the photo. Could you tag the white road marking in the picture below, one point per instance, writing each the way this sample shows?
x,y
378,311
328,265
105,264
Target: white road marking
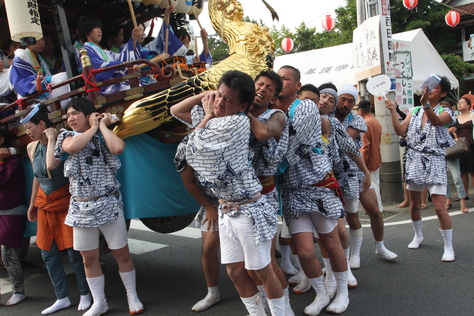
x,y
138,247
5,287
188,232
426,218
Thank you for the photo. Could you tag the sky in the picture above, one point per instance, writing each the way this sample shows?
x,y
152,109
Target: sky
x,y
291,13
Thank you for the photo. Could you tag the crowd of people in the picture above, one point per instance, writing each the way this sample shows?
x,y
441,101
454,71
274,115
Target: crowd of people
x,y
28,70
275,147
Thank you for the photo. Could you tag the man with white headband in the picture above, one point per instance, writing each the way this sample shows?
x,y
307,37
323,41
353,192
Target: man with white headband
x,y
350,183
310,200
340,145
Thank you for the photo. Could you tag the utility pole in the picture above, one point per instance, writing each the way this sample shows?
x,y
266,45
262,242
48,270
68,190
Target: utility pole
x,y
390,171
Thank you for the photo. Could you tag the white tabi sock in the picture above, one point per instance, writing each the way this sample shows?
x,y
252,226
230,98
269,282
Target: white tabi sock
x,y
213,296
322,298
285,263
341,302
448,254
58,305
351,279
355,236
84,302
384,252
418,227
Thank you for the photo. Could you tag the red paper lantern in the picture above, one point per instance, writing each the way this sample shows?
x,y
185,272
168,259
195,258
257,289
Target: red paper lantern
x,y
328,23
287,44
410,4
452,18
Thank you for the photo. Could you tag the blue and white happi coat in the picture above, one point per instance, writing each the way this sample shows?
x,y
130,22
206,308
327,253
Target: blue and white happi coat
x,y
23,74
92,174
181,163
426,162
101,58
345,169
349,175
268,154
221,155
308,165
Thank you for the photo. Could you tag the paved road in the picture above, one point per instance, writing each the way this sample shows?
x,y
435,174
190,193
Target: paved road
x,y
170,281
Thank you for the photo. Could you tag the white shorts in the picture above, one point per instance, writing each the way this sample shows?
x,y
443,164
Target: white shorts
x,y
352,206
308,222
238,243
438,189
87,238
284,230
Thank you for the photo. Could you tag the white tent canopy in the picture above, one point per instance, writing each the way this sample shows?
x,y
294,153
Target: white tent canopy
x,y
335,64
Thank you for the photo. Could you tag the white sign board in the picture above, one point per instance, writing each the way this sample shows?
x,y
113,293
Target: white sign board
x,y
468,50
403,68
366,49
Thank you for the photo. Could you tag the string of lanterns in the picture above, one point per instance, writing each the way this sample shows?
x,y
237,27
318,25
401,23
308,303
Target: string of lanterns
x,y
452,18
328,23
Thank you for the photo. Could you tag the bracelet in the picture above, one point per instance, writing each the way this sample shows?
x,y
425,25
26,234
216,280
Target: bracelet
x,y
426,106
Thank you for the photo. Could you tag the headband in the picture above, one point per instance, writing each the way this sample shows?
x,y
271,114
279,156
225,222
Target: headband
x,y
331,92
32,113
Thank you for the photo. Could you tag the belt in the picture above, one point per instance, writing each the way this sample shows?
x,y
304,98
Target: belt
x,y
116,193
322,182
330,182
233,205
268,184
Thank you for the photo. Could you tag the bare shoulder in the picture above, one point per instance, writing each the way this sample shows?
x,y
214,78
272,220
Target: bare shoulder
x,y
30,149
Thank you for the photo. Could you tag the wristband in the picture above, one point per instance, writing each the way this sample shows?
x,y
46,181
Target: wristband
x,y
426,106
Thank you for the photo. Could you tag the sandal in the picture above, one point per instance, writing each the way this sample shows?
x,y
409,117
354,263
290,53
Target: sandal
x,y
448,204
424,207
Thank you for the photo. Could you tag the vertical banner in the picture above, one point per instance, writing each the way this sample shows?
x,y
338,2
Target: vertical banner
x,y
366,49
387,42
404,75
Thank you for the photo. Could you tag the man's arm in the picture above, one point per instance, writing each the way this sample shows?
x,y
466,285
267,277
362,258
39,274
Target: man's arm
x,y
208,103
354,133
182,110
325,127
360,163
114,143
73,145
400,128
365,145
52,134
189,181
273,128
437,120
32,212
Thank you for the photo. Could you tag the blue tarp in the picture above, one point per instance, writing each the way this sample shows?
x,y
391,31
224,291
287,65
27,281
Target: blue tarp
x,y
30,229
151,186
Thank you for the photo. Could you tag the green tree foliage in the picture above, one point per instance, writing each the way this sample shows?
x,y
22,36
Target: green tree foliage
x,y
218,48
307,38
427,15
278,36
459,67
